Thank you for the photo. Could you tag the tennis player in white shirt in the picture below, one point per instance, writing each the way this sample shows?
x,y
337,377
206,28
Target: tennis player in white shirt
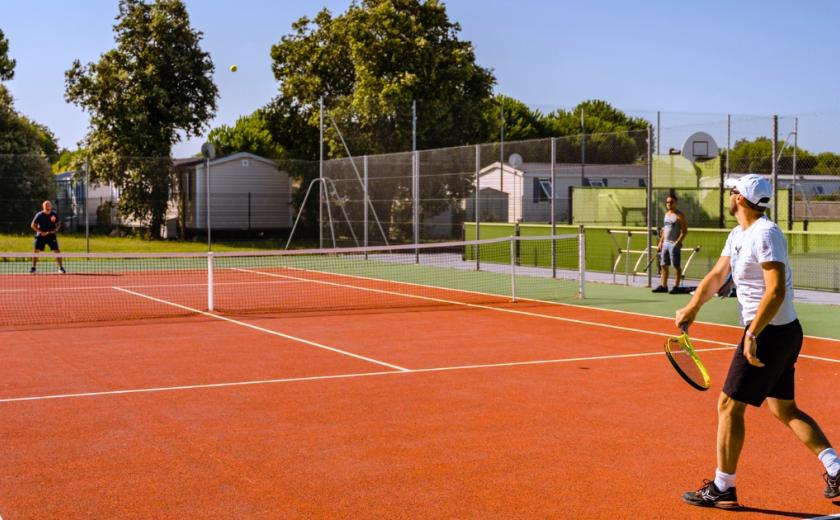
x,y
764,362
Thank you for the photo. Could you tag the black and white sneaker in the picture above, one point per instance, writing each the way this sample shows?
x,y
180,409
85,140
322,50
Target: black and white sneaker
x,y
61,270
710,496
832,485
31,270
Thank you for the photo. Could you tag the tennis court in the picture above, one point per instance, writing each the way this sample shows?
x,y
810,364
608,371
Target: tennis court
x,y
346,392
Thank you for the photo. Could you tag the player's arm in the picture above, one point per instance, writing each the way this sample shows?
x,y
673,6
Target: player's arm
x,y
34,226
705,291
683,227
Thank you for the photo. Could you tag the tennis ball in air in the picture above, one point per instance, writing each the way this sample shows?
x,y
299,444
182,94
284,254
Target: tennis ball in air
x,y
233,68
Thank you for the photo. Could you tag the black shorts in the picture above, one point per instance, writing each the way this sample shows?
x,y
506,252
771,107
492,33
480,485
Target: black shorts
x,y
46,240
778,349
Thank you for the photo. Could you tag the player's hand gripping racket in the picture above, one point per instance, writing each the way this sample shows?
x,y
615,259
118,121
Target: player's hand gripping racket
x,y
685,361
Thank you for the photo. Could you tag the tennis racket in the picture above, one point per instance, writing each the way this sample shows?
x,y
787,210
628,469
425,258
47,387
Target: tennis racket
x,y
686,362
726,289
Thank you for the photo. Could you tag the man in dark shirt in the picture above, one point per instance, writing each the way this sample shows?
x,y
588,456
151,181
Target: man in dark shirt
x,y
46,225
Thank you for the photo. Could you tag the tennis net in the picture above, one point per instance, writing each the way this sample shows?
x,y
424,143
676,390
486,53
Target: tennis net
x,y
103,287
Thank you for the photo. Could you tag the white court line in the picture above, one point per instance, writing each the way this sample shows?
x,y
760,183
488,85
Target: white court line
x,y
466,291
261,329
506,310
141,286
827,517
475,305
341,376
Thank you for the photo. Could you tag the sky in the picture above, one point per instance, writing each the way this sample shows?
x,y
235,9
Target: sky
x,y
694,62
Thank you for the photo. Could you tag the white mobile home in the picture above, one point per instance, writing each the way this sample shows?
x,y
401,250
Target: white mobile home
x,y
246,192
527,187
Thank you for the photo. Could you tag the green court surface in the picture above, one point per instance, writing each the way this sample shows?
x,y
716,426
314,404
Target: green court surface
x,y
817,320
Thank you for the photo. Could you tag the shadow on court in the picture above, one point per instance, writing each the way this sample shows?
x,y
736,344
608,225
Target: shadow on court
x,y
776,512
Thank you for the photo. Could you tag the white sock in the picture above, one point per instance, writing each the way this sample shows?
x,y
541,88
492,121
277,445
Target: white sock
x,y
831,461
724,481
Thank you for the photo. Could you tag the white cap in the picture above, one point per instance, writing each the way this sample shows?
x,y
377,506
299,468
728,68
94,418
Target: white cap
x,y
755,188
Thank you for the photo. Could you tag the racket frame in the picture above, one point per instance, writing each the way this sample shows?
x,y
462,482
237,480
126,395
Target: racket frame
x,y
684,340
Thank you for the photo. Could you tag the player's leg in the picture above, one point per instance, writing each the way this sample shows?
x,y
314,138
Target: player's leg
x,y
720,492
800,423
55,249
676,261
37,247
664,260
730,433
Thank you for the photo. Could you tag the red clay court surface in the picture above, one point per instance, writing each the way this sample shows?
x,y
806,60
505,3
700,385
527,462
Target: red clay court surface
x,y
520,410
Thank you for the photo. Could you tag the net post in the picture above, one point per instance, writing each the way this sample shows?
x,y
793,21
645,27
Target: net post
x,y
210,295
553,212
582,262
512,269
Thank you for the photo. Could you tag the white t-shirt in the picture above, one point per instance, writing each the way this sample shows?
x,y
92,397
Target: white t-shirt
x,y
747,249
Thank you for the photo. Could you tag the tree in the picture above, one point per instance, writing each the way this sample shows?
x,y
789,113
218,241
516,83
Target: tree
x,y
143,96
249,134
7,65
25,173
25,147
370,64
521,122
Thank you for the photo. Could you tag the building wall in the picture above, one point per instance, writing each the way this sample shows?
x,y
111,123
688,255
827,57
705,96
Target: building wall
x,y
245,194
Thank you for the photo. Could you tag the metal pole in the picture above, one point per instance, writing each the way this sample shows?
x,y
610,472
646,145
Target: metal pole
x,y
582,148
87,216
775,169
367,200
658,133
207,175
728,140
792,194
210,292
512,269
649,198
582,262
415,180
502,148
553,218
477,206
321,175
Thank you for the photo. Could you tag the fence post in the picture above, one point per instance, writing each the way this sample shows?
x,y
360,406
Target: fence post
x,y
649,197
513,247
553,218
582,262
249,211
477,206
210,294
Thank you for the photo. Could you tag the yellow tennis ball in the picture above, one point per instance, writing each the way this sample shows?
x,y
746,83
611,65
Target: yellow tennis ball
x,y
233,68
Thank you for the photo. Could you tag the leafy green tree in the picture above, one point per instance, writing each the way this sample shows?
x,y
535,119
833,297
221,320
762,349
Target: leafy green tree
x,y
372,61
521,122
143,96
7,65
369,64
249,134
827,163
25,148
25,174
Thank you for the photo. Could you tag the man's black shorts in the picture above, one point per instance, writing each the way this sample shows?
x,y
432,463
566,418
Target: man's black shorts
x,y
778,349
46,240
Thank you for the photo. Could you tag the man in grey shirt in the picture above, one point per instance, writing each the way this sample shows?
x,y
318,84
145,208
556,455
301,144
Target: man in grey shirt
x,y
674,229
